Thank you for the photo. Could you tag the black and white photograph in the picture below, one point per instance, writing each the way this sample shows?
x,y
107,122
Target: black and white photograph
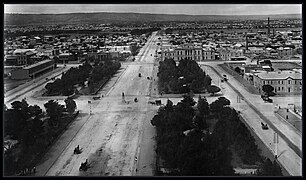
x,y
193,90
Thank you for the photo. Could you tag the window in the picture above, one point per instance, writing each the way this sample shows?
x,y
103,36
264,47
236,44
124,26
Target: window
x,y
289,82
282,88
279,88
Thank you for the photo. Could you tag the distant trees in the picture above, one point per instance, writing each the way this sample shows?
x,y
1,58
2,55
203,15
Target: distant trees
x,y
73,76
78,76
102,71
185,77
144,31
168,31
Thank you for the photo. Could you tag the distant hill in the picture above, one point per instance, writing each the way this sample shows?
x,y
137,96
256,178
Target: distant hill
x,y
105,17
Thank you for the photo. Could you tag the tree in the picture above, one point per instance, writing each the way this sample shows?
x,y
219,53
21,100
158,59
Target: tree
x,y
54,111
200,122
213,89
187,99
34,110
268,62
70,105
56,59
218,104
269,169
207,81
203,106
14,123
268,89
238,70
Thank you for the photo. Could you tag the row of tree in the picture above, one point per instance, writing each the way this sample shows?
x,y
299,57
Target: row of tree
x,y
33,129
79,75
185,77
102,71
65,85
189,146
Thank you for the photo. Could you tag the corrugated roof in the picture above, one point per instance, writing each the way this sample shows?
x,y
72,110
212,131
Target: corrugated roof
x,y
279,75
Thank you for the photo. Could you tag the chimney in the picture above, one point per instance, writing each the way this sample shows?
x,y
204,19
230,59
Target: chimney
x,y
268,26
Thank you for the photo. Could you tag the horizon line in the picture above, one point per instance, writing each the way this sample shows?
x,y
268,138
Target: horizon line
x,y
157,14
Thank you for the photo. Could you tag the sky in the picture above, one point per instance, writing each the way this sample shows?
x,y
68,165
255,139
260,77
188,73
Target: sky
x,y
189,9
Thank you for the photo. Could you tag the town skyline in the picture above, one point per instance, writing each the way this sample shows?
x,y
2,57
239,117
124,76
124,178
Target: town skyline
x,y
176,9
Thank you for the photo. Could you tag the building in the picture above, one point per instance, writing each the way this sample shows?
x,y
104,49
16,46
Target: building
x,y
284,82
287,51
32,70
65,57
19,57
224,54
208,54
188,51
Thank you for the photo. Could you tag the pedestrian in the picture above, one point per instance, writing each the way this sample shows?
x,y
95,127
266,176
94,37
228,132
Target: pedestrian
x,y
34,169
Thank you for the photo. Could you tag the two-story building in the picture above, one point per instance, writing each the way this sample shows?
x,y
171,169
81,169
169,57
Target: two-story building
x,y
284,82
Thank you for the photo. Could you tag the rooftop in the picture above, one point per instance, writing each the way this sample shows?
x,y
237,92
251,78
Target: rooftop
x,y
279,75
37,64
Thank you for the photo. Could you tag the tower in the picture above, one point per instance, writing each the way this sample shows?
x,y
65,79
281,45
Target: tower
x,y
268,26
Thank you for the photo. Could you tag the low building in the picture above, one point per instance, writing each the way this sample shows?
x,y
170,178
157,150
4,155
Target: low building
x,y
20,57
284,82
65,57
287,51
32,70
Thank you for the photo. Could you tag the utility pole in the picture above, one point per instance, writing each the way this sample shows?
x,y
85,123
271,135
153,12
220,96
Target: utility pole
x,y
89,102
275,141
123,99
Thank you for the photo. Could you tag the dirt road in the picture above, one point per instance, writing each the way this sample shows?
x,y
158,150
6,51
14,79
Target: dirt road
x,y
116,136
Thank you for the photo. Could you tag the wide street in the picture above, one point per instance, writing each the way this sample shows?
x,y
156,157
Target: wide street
x,y
117,137
111,137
